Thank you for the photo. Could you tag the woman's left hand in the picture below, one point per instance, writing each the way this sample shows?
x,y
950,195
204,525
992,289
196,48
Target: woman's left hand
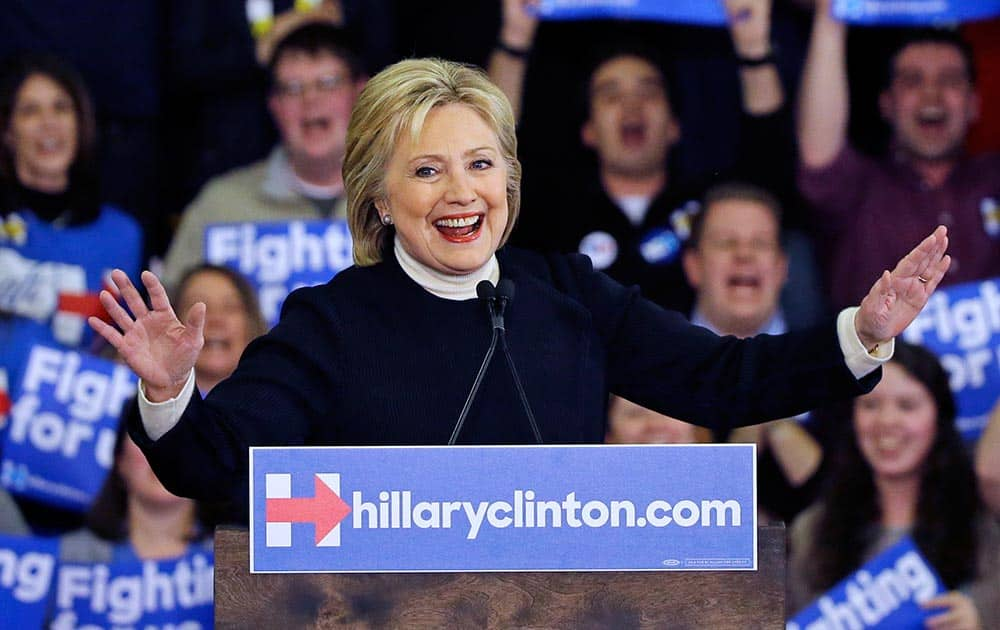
x,y
897,297
959,612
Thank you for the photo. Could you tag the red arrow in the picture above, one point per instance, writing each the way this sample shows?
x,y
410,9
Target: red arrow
x,y
325,510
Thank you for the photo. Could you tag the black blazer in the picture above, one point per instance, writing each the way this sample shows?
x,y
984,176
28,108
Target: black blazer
x,y
373,358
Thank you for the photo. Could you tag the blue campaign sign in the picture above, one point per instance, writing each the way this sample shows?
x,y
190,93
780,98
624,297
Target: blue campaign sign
x,y
59,445
706,12
147,594
961,324
27,566
503,508
885,593
278,257
913,12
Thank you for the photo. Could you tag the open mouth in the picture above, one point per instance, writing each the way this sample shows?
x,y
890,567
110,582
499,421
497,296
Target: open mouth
x,y
49,146
216,344
316,124
633,133
743,281
460,229
888,443
932,118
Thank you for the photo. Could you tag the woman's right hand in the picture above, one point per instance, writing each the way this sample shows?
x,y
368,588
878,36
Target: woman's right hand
x,y
158,347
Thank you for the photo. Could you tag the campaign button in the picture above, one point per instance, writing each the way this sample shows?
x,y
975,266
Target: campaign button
x,y
601,248
660,246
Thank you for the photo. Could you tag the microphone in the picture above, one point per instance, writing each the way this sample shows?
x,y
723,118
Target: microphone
x,y
496,298
486,292
489,294
504,295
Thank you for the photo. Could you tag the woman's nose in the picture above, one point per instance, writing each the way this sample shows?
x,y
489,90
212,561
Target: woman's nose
x,y
460,189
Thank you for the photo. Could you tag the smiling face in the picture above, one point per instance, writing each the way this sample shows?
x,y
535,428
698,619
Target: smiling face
x,y
896,425
930,103
446,192
738,267
311,103
227,324
42,134
631,126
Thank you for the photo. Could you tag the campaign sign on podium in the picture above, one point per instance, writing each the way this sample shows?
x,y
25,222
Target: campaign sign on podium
x,y
503,508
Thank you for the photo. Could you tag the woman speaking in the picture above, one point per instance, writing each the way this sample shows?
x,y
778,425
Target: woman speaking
x,y
396,350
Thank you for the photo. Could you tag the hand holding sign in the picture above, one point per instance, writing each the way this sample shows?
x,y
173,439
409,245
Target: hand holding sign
x,y
960,612
897,297
156,345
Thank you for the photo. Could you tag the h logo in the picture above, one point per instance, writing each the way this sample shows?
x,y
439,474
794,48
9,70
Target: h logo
x,y
325,509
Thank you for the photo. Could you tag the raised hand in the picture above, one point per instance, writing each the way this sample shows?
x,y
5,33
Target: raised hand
x,y
517,29
155,344
896,298
750,27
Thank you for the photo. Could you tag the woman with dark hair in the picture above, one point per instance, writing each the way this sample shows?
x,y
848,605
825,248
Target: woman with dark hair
x,y
903,469
57,241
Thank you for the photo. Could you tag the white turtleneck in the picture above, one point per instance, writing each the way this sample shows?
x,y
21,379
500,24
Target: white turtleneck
x,y
445,285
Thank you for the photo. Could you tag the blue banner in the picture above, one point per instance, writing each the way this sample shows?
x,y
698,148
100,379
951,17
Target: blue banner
x,y
493,508
59,445
278,257
885,593
913,12
705,12
27,568
150,594
961,324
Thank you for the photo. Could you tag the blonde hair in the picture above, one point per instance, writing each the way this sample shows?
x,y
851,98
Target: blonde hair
x,y
397,99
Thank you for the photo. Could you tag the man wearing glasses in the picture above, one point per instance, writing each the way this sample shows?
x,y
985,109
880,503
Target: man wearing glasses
x,y
314,80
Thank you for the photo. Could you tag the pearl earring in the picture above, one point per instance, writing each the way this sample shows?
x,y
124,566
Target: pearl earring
x,y
386,219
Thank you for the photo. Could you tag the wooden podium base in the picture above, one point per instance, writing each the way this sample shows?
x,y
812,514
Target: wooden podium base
x,y
689,599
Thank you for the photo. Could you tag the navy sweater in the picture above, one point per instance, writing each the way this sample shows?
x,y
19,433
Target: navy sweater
x,y
373,358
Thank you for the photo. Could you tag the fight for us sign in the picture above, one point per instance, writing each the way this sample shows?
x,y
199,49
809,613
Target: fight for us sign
x,y
884,593
510,508
279,257
961,324
152,595
60,441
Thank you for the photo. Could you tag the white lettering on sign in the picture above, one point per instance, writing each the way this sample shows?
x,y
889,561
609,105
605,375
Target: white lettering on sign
x,y
28,575
125,598
89,395
396,510
272,258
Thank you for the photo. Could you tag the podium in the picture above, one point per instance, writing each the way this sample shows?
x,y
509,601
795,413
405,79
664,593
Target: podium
x,y
645,599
